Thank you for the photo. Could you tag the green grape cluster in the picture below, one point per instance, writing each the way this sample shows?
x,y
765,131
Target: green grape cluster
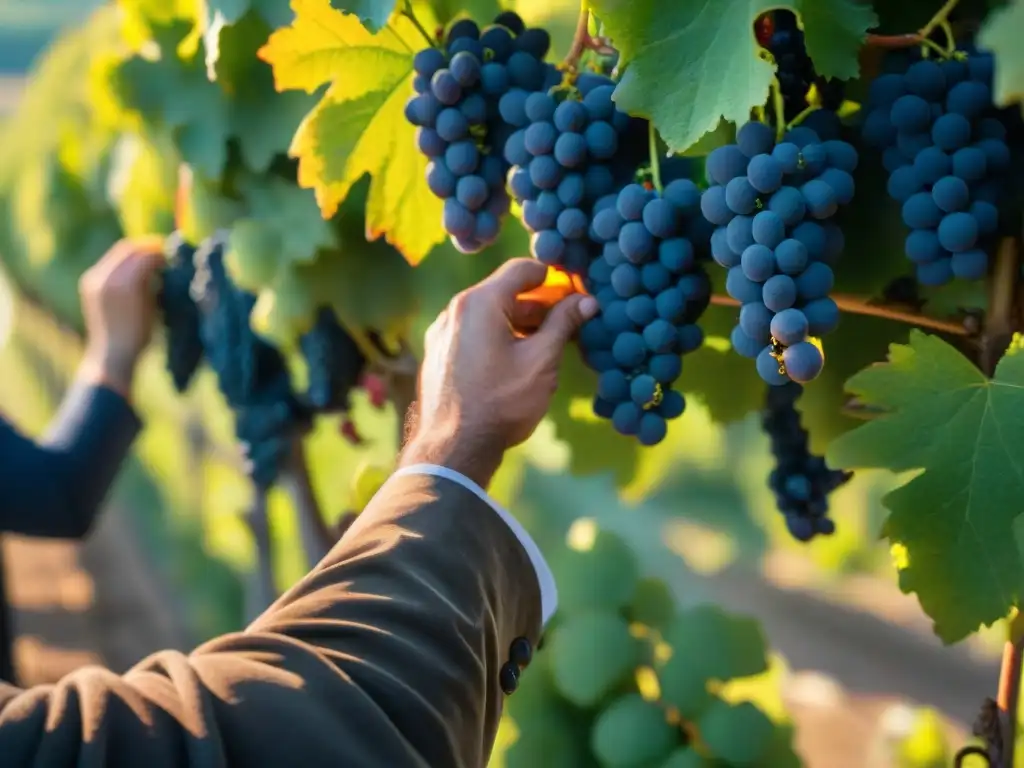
x,y
628,679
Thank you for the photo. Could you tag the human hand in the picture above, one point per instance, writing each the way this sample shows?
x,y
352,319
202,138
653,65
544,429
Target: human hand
x,y
490,369
119,306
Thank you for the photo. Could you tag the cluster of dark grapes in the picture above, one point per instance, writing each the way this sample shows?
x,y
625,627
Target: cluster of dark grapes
x,y
772,205
463,97
651,290
947,156
252,375
780,34
181,316
334,361
336,366
570,152
800,481
206,316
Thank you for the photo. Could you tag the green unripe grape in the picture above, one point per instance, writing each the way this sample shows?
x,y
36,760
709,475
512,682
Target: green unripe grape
x,y
684,686
548,738
602,576
653,603
739,734
687,758
592,653
632,732
722,646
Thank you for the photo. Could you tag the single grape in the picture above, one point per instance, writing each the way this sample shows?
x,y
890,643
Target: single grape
x,y
768,368
768,229
643,389
803,362
652,429
755,320
758,263
779,293
789,327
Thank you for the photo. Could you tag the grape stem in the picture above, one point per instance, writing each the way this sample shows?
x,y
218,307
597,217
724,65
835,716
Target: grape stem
x,y
857,305
652,148
581,39
802,116
911,39
779,107
408,12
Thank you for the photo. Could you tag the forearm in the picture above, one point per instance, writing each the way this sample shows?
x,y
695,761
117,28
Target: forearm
x,y
471,454
388,653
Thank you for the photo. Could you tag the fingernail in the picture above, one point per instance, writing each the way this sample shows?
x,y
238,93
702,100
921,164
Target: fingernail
x,y
588,307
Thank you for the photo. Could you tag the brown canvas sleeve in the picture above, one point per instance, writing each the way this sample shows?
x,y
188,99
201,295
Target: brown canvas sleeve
x,y
386,655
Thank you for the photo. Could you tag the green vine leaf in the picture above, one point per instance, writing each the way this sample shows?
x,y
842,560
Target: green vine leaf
x,y
374,14
692,63
214,17
951,526
1001,35
359,127
179,95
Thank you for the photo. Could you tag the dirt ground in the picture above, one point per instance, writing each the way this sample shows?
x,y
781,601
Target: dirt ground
x,y
96,603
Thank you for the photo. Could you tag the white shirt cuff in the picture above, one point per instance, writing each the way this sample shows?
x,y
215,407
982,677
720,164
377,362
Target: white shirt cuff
x,y
545,579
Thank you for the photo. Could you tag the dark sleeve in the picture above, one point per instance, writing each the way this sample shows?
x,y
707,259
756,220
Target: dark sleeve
x,y
55,486
386,655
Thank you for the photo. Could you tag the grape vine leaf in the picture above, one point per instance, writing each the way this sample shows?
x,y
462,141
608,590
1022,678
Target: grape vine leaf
x,y
373,14
214,17
179,94
300,230
141,183
359,127
1001,35
691,62
952,526
262,120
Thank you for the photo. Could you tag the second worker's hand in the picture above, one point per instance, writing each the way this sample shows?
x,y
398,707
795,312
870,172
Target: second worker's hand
x,y
490,369
119,307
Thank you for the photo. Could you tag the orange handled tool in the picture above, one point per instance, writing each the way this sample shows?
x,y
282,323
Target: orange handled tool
x,y
557,285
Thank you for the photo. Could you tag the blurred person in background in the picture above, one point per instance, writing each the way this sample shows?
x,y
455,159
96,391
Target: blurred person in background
x,y
396,650
53,487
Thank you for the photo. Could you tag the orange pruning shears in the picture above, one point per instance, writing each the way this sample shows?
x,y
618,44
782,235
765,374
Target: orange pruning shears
x,y
557,285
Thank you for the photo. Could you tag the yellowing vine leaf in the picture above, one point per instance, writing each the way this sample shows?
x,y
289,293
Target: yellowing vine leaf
x,y
693,62
952,525
359,127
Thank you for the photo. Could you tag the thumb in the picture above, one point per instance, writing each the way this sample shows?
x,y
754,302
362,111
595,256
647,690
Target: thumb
x,y
564,319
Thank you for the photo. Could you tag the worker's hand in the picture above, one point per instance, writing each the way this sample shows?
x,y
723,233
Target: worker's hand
x,y
490,369
119,306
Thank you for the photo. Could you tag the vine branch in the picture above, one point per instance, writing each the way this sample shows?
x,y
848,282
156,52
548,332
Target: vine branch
x,y
261,591
911,39
314,535
581,40
856,305
1009,688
